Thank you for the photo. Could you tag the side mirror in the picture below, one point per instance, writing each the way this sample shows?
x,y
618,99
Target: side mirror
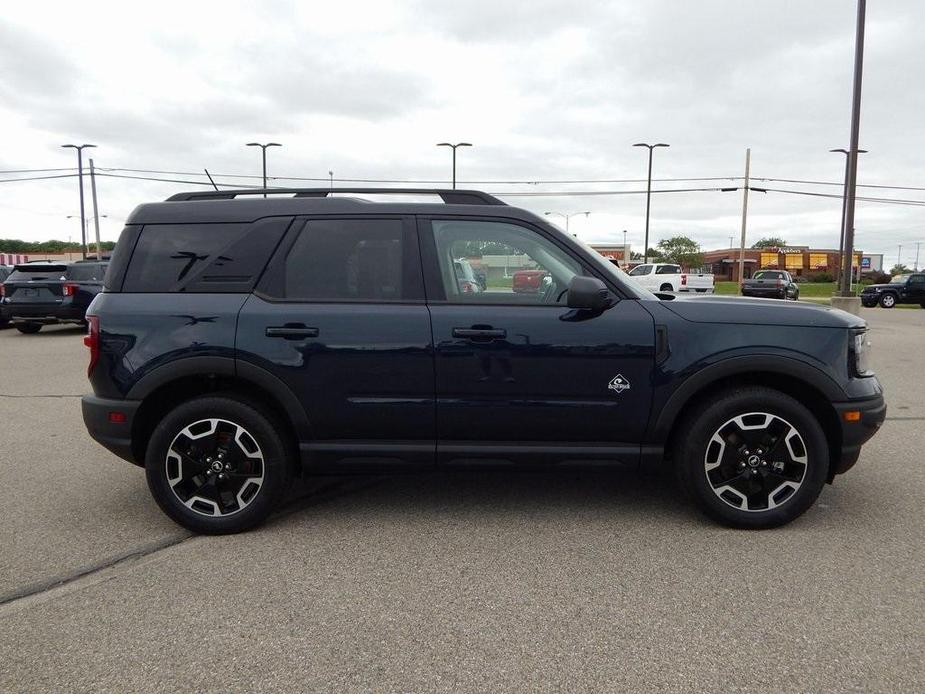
x,y
588,293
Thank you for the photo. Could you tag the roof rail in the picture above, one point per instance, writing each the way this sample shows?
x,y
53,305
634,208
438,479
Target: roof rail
x,y
450,197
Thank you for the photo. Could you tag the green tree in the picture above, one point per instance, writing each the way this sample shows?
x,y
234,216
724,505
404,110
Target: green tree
x,y
900,269
654,256
770,242
681,250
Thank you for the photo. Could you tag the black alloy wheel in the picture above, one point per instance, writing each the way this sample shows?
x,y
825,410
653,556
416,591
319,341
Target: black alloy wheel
x,y
28,328
755,458
216,465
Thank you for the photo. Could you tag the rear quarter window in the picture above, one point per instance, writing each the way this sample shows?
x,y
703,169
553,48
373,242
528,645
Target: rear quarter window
x,y
218,258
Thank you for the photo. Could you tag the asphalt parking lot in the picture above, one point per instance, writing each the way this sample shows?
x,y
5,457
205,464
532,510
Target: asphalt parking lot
x,y
496,581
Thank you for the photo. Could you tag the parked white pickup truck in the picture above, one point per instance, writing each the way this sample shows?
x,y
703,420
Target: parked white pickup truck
x,y
667,277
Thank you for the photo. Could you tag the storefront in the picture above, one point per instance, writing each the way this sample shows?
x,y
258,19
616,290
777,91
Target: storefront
x,y
799,261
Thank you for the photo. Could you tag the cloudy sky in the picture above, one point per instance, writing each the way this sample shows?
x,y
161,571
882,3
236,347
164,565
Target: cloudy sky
x,y
546,91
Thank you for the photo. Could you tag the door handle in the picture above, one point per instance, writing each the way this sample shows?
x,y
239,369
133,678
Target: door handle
x,y
292,332
479,334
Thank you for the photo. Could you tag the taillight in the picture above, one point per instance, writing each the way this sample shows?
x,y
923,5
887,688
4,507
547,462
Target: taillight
x,y
683,280
69,289
92,340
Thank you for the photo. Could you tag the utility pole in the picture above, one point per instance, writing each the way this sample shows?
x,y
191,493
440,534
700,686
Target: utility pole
x,y
80,178
917,244
853,150
748,159
96,212
899,255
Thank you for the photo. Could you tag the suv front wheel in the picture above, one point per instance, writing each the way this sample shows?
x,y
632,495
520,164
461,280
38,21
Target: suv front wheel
x,y
755,458
216,465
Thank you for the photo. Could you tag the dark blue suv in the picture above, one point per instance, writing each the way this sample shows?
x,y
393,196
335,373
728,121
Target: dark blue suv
x,y
242,341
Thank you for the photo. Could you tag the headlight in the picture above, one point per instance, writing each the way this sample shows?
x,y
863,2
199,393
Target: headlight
x,y
860,349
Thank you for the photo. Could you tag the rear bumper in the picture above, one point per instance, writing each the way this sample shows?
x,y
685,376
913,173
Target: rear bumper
x,y
856,433
764,293
116,436
43,313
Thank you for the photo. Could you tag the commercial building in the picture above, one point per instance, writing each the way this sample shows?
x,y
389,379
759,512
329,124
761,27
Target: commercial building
x,y
799,261
614,251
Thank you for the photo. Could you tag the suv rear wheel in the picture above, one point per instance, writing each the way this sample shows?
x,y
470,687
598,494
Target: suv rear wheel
x,y
216,465
755,458
28,328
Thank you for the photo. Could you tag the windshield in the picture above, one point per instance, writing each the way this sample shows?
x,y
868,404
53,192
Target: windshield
x,y
607,268
900,279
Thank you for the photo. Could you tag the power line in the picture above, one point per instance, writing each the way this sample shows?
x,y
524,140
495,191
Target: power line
x,y
19,171
36,178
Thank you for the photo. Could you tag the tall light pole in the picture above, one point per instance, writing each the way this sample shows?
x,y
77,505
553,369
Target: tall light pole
x,y
626,252
453,147
331,174
645,252
853,148
844,207
263,151
80,178
567,217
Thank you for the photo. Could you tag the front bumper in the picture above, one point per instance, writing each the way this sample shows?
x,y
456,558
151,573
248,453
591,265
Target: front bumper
x,y
855,434
870,300
116,436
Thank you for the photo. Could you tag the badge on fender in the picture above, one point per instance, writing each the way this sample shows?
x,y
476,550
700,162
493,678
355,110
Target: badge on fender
x,y
618,384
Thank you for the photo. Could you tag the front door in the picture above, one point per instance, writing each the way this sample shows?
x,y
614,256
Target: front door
x,y
915,289
519,376
339,317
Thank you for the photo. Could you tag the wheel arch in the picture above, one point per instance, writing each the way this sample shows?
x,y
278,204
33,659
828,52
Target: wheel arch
x,y
172,384
806,384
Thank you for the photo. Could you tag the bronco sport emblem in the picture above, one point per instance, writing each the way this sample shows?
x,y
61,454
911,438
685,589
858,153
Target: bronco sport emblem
x,y
619,384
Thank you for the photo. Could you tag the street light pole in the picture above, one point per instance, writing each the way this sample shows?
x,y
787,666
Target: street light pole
x,y
626,253
844,207
80,178
853,149
567,217
331,174
453,147
263,151
645,250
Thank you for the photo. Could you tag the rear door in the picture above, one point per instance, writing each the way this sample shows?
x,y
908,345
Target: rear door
x,y
340,317
519,376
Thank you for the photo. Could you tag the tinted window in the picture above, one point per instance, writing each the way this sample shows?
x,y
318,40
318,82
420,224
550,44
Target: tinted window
x,y
640,270
89,272
917,279
348,259
769,276
668,270
520,265
38,273
167,256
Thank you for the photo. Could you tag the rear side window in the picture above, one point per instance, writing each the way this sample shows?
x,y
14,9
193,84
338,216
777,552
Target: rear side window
x,y
215,258
349,260
89,272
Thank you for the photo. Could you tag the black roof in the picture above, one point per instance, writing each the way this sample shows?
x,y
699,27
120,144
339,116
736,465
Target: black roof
x,y
249,205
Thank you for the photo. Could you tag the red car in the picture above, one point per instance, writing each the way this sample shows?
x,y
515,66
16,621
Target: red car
x,y
528,281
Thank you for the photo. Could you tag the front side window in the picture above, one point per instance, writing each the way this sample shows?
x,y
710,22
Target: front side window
x,y
640,270
917,280
518,265
347,259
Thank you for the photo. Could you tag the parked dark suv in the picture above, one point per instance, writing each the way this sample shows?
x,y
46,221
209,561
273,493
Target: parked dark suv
x,y
242,341
42,292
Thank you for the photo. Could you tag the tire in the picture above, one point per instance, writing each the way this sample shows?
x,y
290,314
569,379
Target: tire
x,y
28,328
194,488
666,288
716,458
888,300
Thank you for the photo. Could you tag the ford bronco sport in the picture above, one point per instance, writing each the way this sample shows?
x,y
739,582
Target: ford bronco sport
x,y
240,341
